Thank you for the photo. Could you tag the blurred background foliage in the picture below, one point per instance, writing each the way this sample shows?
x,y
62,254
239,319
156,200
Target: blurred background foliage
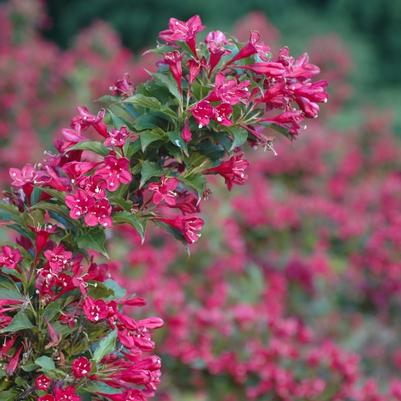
x,y
371,29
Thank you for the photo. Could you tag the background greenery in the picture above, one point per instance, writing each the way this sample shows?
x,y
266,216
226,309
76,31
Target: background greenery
x,y
371,28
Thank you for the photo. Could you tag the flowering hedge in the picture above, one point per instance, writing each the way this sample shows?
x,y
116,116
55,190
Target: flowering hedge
x,y
65,331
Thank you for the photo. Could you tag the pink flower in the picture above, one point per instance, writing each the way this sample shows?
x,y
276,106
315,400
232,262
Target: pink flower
x,y
76,169
94,186
289,120
189,226
7,344
300,67
270,69
164,191
24,176
86,119
195,66
173,60
230,90
314,91
254,46
47,397
222,113
123,87
95,211
308,94
66,394
81,367
215,42
95,310
233,170
203,112
187,202
13,364
42,382
9,257
73,135
186,132
181,31
79,204
42,235
130,395
58,258
115,172
117,137
99,213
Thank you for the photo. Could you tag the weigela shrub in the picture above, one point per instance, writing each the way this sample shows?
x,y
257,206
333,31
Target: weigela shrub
x,y
65,332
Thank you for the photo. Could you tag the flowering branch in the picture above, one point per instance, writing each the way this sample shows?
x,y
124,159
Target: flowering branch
x,y
143,158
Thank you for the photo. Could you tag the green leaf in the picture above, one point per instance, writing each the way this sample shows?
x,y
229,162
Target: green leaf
x,y
92,146
119,292
8,289
146,102
149,170
149,121
9,212
122,112
150,136
46,363
130,148
60,209
105,346
211,150
93,238
169,83
19,322
176,139
52,310
239,136
115,120
101,388
54,193
106,100
99,291
196,182
29,367
9,395
14,294
280,129
131,219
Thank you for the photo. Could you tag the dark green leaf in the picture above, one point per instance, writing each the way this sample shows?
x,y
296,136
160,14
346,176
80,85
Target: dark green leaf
x,y
196,182
99,291
101,388
10,212
239,136
150,136
169,83
176,139
92,146
131,148
19,322
149,170
9,395
129,218
119,292
93,238
46,363
105,346
147,102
